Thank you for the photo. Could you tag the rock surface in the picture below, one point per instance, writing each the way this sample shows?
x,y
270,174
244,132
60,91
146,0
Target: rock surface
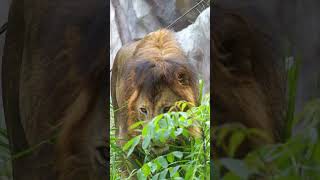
x,y
195,41
134,19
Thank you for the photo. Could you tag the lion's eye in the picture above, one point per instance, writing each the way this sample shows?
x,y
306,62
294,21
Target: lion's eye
x,y
144,111
166,109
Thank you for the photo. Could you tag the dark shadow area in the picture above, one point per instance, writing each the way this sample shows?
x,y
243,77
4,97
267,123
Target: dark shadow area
x,y
54,89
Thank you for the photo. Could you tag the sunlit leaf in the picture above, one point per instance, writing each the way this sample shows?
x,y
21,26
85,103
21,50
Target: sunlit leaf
x,y
131,144
146,142
177,154
163,162
146,170
170,158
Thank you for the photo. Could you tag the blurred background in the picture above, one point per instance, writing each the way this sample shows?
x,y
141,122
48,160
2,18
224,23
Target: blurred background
x,y
4,9
4,153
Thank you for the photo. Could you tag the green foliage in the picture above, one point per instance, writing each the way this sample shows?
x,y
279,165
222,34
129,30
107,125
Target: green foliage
x,y
292,80
297,157
171,146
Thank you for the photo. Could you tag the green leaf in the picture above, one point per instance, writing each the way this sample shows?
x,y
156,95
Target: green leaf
x,y
146,142
189,122
170,158
131,144
185,133
184,105
163,174
163,162
157,119
154,167
236,166
178,178
146,170
189,174
145,130
173,170
222,133
235,141
135,125
178,154
128,144
140,175
155,177
178,131
163,135
163,122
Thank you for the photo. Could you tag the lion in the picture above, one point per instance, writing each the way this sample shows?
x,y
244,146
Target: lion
x,y
248,79
148,77
54,83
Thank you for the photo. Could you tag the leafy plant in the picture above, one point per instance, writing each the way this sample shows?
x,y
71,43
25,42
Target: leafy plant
x,y
174,145
295,158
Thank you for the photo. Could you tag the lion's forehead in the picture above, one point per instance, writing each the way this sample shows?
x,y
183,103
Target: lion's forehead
x,y
159,94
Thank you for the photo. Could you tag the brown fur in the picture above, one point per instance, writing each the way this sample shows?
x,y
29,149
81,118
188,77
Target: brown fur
x,y
54,85
248,86
154,72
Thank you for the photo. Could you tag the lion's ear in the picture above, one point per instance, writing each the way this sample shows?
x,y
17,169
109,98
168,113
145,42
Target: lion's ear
x,y
183,79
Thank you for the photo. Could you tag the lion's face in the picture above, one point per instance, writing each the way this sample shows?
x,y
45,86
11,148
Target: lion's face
x,y
147,108
156,87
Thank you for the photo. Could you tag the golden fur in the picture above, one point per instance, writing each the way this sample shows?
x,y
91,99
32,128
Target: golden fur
x,y
159,45
152,72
